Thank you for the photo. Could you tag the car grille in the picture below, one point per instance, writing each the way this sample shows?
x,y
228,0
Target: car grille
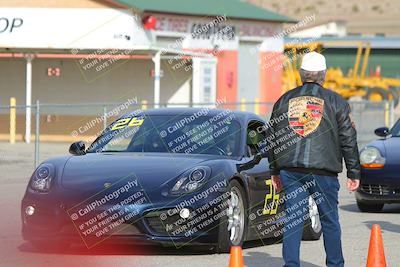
x,y
128,229
156,225
167,227
378,189
123,230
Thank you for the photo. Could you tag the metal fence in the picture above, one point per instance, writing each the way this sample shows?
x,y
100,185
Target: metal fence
x,y
368,116
75,122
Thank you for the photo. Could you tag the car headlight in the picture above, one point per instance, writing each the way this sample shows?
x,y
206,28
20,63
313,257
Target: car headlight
x,y
42,177
191,180
370,157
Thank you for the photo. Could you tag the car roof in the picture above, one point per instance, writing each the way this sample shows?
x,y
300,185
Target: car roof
x,y
242,116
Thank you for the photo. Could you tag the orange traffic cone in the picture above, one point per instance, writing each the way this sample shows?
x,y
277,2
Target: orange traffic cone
x,y
236,259
376,255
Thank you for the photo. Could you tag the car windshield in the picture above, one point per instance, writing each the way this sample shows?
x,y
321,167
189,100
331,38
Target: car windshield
x,y
395,131
171,134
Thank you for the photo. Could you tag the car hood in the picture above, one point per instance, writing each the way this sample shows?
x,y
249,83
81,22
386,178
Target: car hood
x,y
92,171
392,150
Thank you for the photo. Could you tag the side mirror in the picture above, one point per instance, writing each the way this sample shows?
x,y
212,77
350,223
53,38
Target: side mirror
x,y
77,148
250,164
382,131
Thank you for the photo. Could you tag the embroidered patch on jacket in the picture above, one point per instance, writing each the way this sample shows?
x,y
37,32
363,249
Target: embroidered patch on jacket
x,y
305,114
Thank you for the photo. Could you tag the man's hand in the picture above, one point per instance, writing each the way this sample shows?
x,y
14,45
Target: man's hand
x,y
276,182
352,185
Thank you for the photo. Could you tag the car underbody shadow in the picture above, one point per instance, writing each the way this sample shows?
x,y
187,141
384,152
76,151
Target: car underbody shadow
x,y
261,242
388,208
118,249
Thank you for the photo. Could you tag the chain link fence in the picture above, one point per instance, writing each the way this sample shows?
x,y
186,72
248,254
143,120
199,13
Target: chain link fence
x,y
75,122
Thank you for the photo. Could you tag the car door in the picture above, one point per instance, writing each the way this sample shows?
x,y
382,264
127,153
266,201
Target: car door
x,y
264,201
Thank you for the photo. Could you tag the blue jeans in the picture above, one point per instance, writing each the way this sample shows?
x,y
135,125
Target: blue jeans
x,y
324,190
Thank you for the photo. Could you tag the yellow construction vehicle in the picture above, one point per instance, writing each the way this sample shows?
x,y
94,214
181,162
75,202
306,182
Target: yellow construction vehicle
x,y
355,84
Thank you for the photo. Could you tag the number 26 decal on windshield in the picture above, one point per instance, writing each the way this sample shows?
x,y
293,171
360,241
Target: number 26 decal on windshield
x,y
271,200
131,122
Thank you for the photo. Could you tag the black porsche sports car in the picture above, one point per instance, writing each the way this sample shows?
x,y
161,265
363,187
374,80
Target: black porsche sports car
x,y
170,176
380,181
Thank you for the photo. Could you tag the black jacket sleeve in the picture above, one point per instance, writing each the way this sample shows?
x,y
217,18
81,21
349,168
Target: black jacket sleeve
x,y
348,140
271,137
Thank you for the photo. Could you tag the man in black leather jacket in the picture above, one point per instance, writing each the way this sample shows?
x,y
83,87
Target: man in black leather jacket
x,y
309,133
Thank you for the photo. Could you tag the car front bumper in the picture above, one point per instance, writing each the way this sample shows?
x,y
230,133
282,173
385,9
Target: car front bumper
x,y
378,186
51,222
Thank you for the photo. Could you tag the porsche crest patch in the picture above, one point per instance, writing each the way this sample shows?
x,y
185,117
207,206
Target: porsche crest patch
x,y
305,114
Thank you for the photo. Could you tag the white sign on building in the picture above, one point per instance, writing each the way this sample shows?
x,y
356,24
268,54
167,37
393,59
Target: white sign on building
x,y
64,28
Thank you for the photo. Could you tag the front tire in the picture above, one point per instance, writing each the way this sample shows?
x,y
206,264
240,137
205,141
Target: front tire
x,y
312,226
233,226
364,207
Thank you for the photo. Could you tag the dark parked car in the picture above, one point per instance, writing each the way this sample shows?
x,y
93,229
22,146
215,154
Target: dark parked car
x,y
380,171
169,176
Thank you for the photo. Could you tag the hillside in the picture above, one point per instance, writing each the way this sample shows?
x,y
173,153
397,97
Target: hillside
x,y
362,17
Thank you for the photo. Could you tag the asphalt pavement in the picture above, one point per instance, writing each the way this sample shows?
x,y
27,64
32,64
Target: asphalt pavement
x,y
16,165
